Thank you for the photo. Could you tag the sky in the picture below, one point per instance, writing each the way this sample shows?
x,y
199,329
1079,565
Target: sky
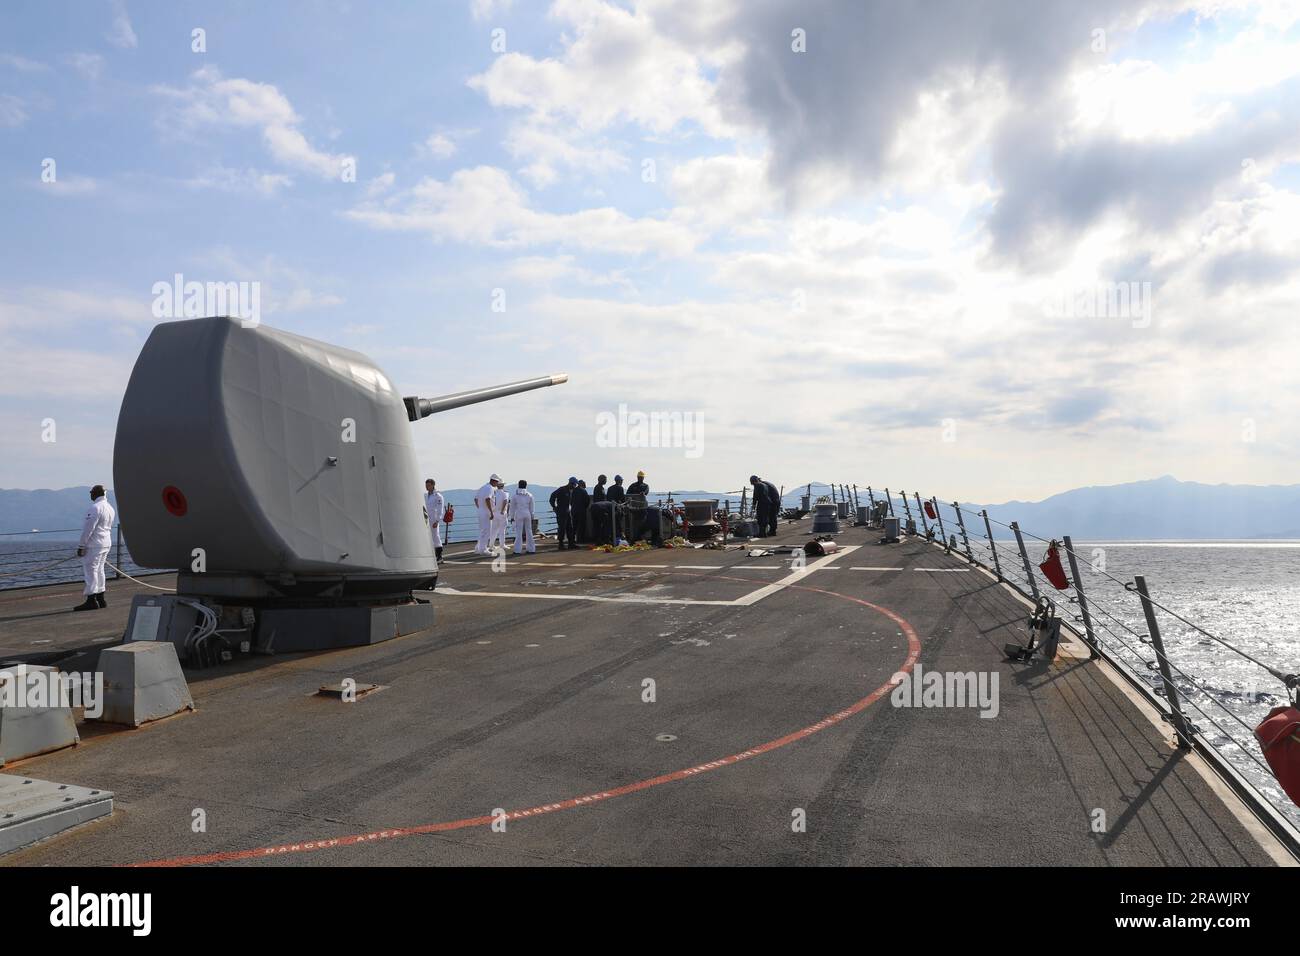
x,y
985,250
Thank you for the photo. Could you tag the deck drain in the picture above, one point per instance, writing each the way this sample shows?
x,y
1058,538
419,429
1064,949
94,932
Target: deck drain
x,y
665,738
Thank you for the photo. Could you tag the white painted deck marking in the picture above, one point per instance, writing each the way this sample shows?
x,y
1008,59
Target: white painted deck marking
x,y
875,569
747,601
628,599
793,578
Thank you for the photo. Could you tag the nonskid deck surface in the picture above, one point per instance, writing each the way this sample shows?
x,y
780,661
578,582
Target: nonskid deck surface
x,y
38,623
770,706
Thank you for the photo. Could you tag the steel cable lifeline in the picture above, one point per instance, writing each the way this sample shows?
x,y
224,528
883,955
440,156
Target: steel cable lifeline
x,y
1191,680
1189,700
1290,680
7,574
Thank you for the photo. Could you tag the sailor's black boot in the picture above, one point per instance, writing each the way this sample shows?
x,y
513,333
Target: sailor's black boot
x,y
90,604
99,599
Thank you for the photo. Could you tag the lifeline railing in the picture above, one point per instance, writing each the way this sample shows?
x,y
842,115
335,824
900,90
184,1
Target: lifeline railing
x,y
52,560
1139,655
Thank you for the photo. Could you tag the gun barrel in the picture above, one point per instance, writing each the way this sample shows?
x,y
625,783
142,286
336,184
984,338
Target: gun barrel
x,y
417,408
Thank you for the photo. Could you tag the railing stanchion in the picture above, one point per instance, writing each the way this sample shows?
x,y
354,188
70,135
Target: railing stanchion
x,y
117,572
1083,601
889,500
921,511
1024,556
961,526
939,517
1171,692
993,548
906,508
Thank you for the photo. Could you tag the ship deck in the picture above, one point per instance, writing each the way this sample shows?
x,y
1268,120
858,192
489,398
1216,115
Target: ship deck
x,y
771,706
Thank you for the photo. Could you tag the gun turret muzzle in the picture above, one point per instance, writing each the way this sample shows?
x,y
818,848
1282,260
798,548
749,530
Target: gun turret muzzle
x,y
417,408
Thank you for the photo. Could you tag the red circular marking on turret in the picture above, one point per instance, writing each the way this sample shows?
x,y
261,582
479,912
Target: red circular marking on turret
x,y
174,501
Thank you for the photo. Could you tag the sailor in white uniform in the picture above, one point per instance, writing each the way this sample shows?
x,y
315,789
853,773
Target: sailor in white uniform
x,y
521,506
96,537
436,505
500,515
483,502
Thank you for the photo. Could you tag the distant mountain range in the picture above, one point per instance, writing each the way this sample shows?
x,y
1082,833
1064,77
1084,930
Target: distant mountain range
x,y
1159,508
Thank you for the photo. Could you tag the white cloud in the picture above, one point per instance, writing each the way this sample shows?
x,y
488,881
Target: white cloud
x,y
380,184
67,185
545,270
12,111
22,64
439,146
723,191
484,206
444,143
240,180
617,66
41,308
549,149
213,100
284,288
483,9
33,370
89,65
121,34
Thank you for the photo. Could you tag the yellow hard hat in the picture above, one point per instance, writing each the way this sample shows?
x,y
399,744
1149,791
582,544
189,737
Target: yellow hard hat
x,y
640,474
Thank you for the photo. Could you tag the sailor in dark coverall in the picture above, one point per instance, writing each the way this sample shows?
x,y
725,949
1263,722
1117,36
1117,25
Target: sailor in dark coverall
x,y
773,506
561,504
618,495
581,499
767,501
639,487
602,514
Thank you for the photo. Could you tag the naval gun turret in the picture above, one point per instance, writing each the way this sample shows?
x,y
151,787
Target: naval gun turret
x,y
278,474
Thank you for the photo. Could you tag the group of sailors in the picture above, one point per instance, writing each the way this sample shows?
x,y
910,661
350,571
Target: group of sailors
x,y
604,514
494,506
583,517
